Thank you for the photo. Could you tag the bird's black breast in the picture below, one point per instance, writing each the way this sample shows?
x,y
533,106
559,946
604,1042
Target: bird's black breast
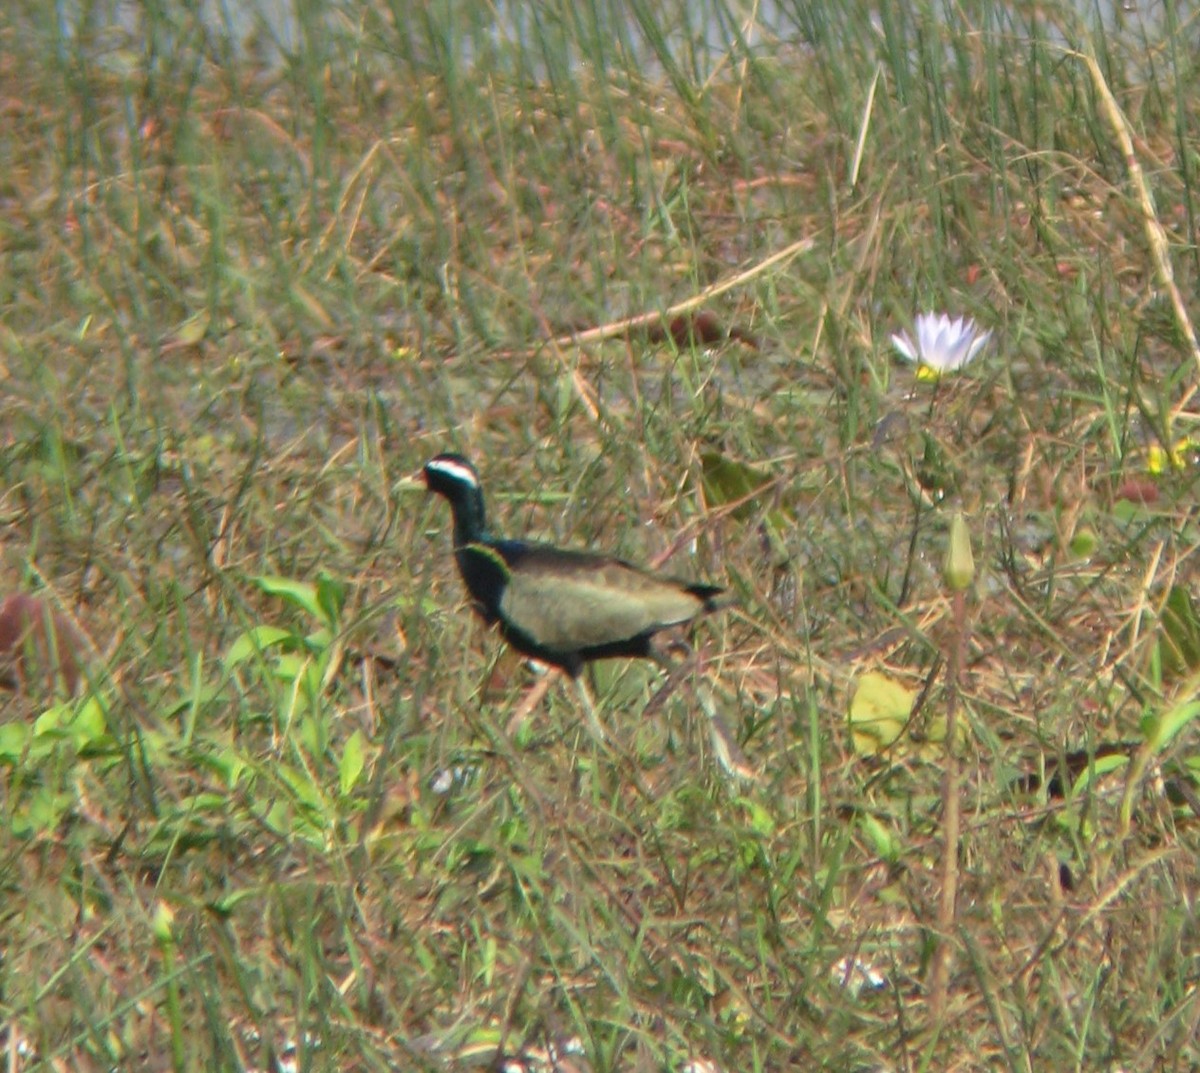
x,y
485,572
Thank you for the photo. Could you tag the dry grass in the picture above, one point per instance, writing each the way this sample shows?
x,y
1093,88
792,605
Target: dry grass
x,y
241,300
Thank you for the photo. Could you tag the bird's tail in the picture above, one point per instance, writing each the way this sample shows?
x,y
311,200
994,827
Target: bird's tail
x,y
714,597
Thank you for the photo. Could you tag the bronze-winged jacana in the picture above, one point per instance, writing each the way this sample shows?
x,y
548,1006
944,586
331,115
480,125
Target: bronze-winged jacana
x,y
560,606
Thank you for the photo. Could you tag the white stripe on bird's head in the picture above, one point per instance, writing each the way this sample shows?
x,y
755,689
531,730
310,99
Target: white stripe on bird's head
x,y
454,468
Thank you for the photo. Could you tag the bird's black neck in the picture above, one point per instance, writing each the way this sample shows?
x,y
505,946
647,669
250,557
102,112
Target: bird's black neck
x,y
470,524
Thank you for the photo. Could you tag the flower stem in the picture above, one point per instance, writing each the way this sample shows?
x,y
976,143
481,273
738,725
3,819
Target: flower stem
x,y
951,814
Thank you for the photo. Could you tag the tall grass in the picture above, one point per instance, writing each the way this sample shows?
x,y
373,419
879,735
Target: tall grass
x,y
255,274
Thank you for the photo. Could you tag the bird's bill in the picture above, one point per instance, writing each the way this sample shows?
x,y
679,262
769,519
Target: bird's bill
x,y
414,482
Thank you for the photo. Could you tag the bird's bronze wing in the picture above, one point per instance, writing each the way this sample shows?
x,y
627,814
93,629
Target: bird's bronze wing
x,y
570,600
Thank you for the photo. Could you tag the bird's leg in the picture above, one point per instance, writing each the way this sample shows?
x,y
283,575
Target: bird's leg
x,y
533,697
613,749
724,744
675,671
589,710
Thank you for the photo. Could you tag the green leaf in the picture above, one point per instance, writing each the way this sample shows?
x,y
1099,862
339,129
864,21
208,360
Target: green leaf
x,y
292,665
302,594
319,641
89,727
304,790
353,761
725,481
85,728
1102,766
1084,542
762,822
1161,729
46,808
227,764
331,598
14,740
192,330
1180,627
255,642
227,903
883,838
53,722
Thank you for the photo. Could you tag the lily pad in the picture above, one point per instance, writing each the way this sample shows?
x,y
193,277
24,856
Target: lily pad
x,y
879,711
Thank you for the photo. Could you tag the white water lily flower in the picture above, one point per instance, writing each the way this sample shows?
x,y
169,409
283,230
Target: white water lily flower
x,y
943,345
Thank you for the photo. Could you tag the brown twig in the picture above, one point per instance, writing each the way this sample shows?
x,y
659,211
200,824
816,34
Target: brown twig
x,y
618,328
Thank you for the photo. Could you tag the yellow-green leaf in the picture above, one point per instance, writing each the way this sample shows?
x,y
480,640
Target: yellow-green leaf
x,y
725,481
883,838
879,711
192,330
353,762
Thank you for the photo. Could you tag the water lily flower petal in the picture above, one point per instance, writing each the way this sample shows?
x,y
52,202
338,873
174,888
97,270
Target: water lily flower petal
x,y
906,346
942,345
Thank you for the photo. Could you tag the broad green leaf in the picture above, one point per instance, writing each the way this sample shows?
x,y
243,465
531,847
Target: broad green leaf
x,y
89,727
46,807
14,739
303,594
51,720
292,665
255,642
304,790
319,640
331,597
84,727
227,764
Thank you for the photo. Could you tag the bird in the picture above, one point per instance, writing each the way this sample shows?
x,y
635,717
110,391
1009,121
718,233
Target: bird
x,y
561,606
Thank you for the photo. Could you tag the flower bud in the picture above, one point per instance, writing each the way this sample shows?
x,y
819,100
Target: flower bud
x,y
162,923
959,569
